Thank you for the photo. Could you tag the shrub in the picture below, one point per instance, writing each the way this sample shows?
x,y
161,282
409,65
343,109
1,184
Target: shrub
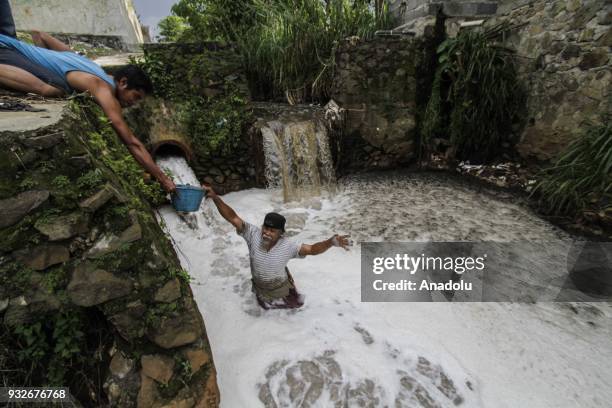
x,y
477,100
214,125
581,176
172,28
287,45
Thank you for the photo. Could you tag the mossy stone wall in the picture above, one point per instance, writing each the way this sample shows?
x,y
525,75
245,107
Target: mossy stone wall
x,y
202,93
92,295
566,55
375,83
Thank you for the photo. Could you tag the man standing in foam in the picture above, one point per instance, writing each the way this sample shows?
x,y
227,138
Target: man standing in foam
x,y
269,252
52,69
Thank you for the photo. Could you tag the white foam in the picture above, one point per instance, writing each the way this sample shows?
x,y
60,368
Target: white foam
x,y
512,355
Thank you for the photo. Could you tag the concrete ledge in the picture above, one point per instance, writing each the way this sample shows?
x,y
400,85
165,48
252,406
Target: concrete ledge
x,y
22,121
112,63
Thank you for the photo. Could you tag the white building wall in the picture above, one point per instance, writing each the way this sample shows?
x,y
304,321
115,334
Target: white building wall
x,y
95,17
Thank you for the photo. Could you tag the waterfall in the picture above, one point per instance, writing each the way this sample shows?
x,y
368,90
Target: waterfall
x,y
298,158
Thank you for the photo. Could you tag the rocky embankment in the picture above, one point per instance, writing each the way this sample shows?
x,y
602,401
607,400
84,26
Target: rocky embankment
x,y
89,282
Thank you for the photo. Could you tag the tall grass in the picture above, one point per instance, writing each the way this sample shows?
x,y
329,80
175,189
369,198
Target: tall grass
x,y
288,45
289,50
582,176
477,99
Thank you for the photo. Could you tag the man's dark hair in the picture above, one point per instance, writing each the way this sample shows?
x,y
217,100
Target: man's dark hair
x,y
136,78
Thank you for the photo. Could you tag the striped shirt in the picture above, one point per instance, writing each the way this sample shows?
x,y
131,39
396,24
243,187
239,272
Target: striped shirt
x,y
268,267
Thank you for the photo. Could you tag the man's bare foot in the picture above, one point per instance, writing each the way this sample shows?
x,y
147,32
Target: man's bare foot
x,y
37,38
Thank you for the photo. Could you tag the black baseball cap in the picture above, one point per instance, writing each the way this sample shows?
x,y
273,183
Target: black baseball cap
x,y
275,220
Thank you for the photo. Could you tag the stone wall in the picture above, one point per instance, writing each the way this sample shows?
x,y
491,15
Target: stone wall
x,y
564,47
86,42
241,170
564,51
78,238
375,84
207,69
94,17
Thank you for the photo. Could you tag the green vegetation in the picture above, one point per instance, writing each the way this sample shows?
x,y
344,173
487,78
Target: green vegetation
x,y
46,167
185,370
477,100
219,130
13,237
287,46
15,277
172,28
92,52
106,146
581,177
47,216
180,273
90,180
155,314
214,123
56,278
61,182
57,348
27,183
51,344
290,51
200,20
25,37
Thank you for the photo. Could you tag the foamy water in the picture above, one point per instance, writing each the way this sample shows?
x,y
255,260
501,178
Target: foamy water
x,y
337,351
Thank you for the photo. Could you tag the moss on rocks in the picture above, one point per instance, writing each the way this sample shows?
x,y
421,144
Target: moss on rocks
x,y
94,230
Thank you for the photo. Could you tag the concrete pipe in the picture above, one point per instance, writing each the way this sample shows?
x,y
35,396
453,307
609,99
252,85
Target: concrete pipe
x,y
165,135
164,142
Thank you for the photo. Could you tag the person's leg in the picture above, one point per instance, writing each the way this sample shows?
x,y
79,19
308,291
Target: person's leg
x,y
17,73
7,25
21,80
46,40
294,299
262,303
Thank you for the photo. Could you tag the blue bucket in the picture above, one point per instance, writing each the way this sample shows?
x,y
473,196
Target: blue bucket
x,y
187,198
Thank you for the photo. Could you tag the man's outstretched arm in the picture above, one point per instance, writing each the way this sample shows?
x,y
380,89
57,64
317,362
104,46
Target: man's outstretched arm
x,y
102,93
320,247
225,210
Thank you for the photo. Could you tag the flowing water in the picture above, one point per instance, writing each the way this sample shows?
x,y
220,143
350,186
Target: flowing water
x,y
339,352
298,158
